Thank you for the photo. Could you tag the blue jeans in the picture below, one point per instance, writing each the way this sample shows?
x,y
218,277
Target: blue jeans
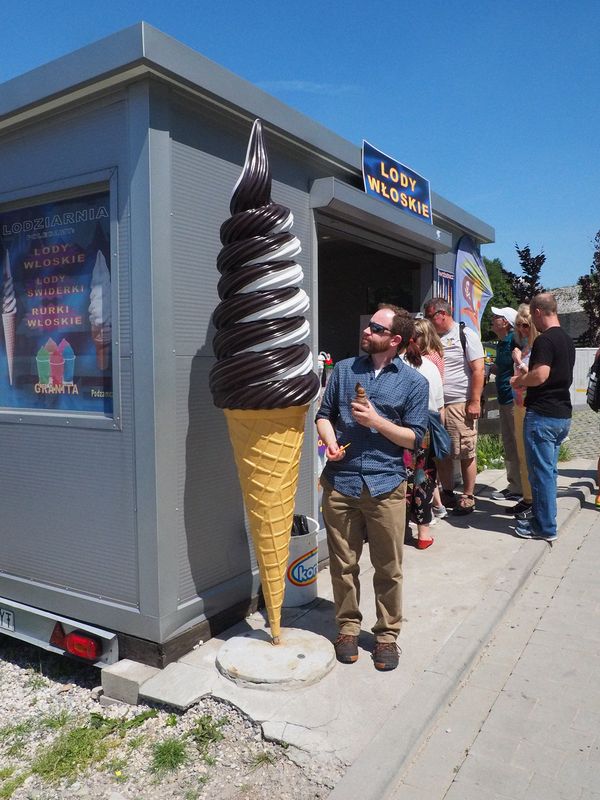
x,y
543,437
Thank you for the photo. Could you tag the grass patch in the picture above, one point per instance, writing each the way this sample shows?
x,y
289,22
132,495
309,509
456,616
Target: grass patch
x,y
564,454
136,741
73,752
14,736
36,681
55,722
262,759
20,729
9,787
490,452
169,755
118,768
77,749
172,720
207,731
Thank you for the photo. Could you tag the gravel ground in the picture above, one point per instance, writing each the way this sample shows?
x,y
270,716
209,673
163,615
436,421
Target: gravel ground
x,y
57,742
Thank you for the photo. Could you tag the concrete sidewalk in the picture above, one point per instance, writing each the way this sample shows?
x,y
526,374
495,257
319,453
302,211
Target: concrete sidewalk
x,y
362,723
525,724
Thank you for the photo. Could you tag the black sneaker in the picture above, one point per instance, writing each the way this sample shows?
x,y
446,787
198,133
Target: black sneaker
x,y
346,648
505,494
521,506
386,656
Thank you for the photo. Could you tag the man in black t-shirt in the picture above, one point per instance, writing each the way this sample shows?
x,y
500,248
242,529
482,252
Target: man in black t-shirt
x,y
548,415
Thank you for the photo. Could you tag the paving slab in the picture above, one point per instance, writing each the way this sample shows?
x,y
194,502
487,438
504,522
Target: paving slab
x,y
122,681
178,685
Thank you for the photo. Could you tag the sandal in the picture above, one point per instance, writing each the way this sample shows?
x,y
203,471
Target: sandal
x,y
423,544
465,505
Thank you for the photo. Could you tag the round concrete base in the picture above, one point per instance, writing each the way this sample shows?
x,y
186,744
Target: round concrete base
x,y
301,659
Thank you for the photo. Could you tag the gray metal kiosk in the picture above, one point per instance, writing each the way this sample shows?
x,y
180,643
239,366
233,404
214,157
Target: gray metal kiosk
x,y
121,512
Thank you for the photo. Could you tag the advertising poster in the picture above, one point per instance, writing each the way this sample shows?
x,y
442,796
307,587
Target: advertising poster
x,y
56,338
395,183
473,289
445,286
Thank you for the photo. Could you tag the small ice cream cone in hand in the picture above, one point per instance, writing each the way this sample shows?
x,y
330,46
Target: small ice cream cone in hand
x,y
361,395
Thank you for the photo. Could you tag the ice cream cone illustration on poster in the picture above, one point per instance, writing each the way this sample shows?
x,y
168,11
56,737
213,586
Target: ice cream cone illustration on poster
x,y
263,378
9,316
100,311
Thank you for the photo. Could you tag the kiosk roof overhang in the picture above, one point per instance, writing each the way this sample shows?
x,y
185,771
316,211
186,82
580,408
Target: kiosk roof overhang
x,y
143,52
339,200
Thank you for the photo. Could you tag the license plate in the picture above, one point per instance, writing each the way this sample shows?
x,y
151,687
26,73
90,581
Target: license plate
x,y
7,620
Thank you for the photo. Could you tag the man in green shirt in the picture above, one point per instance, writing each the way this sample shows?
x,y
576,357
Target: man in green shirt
x,y
503,322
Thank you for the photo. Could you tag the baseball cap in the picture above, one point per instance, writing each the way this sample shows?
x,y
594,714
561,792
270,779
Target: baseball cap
x,y
509,314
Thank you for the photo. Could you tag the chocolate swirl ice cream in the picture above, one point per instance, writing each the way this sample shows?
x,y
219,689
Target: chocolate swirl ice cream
x,y
263,360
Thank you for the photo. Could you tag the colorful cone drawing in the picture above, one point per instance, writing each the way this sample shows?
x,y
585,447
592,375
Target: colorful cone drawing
x,y
9,316
100,312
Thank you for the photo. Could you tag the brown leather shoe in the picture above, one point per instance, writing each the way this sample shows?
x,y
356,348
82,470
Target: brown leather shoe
x,y
346,648
386,656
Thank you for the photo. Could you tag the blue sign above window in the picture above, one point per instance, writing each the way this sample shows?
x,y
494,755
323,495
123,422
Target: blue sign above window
x,y
394,183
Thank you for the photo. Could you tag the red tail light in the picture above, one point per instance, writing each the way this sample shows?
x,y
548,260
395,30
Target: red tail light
x,y
58,636
83,645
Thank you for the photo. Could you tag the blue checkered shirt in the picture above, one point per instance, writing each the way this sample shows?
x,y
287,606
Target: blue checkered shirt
x,y
399,393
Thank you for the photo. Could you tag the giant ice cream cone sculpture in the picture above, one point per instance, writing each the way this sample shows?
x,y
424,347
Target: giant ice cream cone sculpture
x,y
9,316
263,378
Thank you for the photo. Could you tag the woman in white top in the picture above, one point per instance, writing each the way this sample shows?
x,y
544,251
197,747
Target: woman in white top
x,y
422,472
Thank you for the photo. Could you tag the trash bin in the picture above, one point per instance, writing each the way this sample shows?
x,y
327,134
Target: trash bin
x,y
303,565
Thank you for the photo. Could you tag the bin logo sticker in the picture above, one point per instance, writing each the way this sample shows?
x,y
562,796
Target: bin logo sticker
x,y
55,285
302,572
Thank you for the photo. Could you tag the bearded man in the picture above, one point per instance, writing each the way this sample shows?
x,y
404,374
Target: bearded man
x,y
364,480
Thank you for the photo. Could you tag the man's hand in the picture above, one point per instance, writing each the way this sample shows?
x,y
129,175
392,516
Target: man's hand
x,y
365,414
473,409
334,452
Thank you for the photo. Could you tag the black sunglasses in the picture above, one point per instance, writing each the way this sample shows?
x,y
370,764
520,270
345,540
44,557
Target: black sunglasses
x,y
377,328
435,313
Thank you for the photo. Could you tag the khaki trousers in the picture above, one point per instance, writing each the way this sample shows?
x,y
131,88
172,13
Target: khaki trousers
x,y
511,456
382,518
519,415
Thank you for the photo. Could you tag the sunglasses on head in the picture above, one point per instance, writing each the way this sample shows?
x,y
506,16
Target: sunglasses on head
x,y
375,327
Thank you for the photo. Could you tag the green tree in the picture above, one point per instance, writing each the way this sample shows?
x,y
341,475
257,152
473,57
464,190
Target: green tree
x,y
503,295
526,285
589,297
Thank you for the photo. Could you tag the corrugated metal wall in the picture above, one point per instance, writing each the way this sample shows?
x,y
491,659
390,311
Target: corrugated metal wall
x,y
213,547
67,494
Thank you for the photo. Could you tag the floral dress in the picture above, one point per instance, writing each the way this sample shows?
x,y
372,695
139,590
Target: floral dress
x,y
421,481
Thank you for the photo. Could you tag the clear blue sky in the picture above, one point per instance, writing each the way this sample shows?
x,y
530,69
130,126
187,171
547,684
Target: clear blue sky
x,y
496,103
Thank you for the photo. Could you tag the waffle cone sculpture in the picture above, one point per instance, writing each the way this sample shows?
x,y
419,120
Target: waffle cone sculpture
x,y
263,378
